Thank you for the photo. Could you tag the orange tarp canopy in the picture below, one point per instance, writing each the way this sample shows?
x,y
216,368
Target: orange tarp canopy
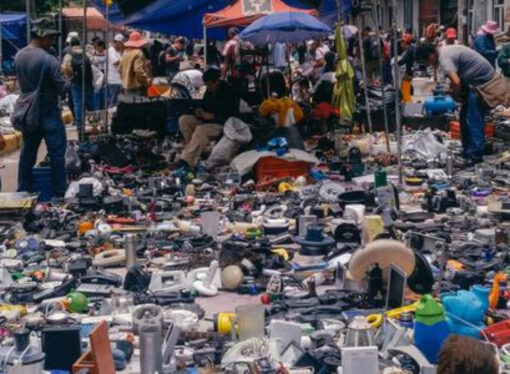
x,y
244,12
95,20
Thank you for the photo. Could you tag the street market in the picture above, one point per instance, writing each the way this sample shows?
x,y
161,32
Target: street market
x,y
254,186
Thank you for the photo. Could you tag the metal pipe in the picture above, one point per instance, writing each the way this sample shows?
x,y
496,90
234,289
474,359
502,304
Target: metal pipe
x,y
1,50
27,10
205,47
106,68
84,56
61,36
381,72
151,356
364,73
130,244
397,101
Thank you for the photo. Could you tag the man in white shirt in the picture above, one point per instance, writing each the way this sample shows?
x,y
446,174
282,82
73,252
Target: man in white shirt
x,y
114,81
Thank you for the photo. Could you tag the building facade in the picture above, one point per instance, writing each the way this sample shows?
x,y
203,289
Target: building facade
x,y
465,15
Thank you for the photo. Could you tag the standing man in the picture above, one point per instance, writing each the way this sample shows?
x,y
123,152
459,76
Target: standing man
x,y
114,84
466,70
231,55
371,53
504,60
72,66
174,55
134,68
34,63
220,102
451,37
484,42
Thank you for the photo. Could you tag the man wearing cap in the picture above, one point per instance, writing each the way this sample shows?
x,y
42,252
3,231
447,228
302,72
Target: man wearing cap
x,y
451,37
484,42
33,63
407,58
174,55
466,70
220,102
134,70
73,65
114,83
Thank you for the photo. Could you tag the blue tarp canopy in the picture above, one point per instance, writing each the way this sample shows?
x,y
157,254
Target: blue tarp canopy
x,y
174,17
14,36
328,11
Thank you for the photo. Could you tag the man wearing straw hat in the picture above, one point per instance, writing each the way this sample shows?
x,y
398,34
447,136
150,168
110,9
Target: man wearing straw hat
x,y
133,67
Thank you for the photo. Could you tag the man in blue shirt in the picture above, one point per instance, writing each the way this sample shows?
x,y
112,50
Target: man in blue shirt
x,y
29,64
484,42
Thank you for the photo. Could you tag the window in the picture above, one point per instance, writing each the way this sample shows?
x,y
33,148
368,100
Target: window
x,y
499,13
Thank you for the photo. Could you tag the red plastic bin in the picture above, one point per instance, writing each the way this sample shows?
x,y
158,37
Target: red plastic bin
x,y
456,134
273,168
498,333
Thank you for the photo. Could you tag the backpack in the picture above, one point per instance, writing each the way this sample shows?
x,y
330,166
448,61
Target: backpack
x,y
244,53
77,64
372,52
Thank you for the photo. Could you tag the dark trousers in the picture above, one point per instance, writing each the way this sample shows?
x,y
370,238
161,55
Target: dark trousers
x,y
472,124
77,92
53,132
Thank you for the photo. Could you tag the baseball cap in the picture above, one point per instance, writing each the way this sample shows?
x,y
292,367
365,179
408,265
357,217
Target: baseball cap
x,y
119,38
451,33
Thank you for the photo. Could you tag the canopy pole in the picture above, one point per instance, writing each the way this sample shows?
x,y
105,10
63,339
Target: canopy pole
x,y
83,108
106,68
205,46
364,72
1,50
381,72
61,36
397,97
27,10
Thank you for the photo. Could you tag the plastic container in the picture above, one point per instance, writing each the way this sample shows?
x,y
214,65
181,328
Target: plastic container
x,y
430,328
42,183
250,321
455,131
273,168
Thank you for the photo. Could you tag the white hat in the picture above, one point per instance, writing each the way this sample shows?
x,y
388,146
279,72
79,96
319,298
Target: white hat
x,y
119,38
70,35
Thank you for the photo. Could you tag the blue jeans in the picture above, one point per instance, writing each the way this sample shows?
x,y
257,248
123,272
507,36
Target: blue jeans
x,y
472,125
114,91
76,91
53,132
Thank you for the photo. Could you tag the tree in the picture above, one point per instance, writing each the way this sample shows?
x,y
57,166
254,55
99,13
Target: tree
x,y
41,7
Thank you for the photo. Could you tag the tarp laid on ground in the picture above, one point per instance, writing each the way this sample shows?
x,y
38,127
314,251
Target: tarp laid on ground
x,y
14,37
244,12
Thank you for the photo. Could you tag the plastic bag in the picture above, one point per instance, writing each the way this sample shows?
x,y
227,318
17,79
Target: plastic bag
x,y
97,78
74,187
72,159
235,133
424,145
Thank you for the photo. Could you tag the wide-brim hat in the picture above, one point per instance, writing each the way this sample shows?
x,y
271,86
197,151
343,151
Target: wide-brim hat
x,y
136,40
490,27
44,27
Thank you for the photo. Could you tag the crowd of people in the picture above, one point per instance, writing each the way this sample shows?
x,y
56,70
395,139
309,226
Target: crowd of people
x,y
240,73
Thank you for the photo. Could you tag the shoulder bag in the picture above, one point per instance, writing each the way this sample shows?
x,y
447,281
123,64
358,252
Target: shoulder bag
x,y
25,116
